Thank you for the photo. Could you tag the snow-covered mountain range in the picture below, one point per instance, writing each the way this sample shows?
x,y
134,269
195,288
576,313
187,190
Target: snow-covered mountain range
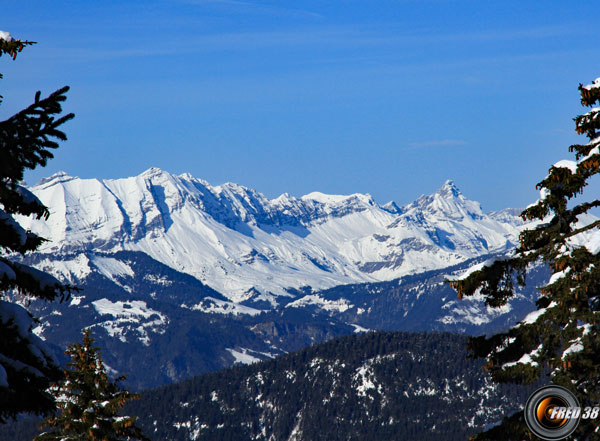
x,y
251,248
180,277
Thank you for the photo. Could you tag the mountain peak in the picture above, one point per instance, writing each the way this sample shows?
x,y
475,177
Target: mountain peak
x,y
57,177
392,207
449,189
447,203
336,199
235,238
324,198
153,171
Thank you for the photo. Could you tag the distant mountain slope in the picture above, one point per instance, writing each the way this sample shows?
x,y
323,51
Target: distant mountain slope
x,y
248,247
181,278
160,325
376,386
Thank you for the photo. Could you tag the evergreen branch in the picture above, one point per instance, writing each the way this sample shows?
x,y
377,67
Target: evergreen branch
x,y
16,199
12,48
25,142
89,400
26,137
583,229
561,338
590,94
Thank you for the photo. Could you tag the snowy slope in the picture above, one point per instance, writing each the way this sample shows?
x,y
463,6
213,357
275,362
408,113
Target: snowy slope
x,y
246,246
161,325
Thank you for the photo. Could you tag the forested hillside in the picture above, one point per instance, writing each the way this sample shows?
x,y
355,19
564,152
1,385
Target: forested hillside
x,y
375,386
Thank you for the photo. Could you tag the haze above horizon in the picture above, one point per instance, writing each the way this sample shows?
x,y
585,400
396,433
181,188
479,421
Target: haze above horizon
x,y
294,97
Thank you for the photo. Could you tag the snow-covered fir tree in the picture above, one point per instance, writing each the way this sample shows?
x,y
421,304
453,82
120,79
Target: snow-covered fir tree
x,y
561,338
27,367
89,401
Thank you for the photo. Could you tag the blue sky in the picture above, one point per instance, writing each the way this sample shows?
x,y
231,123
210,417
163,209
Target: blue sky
x,y
389,98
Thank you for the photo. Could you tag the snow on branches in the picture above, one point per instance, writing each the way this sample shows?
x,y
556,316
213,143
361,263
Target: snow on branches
x,y
27,366
561,338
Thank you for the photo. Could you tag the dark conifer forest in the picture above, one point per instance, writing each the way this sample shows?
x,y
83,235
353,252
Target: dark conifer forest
x,y
373,386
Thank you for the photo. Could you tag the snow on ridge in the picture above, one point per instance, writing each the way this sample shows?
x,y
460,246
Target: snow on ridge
x,y
340,305
70,270
54,179
364,379
334,199
111,267
238,241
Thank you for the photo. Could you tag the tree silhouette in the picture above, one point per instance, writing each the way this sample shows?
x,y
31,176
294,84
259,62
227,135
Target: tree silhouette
x,y
89,402
26,139
561,338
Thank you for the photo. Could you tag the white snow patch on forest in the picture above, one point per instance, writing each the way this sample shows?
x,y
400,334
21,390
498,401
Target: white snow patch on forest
x,y
158,280
127,309
242,356
364,381
339,305
471,310
215,306
75,300
69,270
364,378
358,329
111,267
130,315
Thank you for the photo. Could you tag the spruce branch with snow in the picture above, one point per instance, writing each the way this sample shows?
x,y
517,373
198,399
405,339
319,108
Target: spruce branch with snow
x,y
89,402
561,339
10,46
26,365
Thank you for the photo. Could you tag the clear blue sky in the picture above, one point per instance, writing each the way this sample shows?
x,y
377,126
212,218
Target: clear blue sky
x,y
389,98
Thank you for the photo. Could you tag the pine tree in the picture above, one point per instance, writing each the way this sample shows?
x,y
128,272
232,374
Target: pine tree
x,y
560,341
27,367
89,401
